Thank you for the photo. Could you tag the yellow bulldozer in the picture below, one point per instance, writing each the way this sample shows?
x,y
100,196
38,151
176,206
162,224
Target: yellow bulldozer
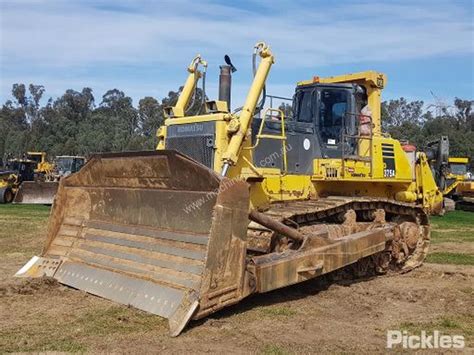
x,y
43,188
234,203
35,189
451,176
463,192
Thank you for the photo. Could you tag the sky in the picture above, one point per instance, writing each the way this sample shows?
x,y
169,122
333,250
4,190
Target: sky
x,y
143,47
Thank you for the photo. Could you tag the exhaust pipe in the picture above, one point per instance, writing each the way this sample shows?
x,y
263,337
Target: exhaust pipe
x,y
225,81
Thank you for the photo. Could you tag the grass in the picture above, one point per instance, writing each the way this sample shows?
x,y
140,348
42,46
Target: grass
x,y
449,324
117,319
22,228
71,336
450,258
455,227
455,219
24,211
273,349
452,236
278,311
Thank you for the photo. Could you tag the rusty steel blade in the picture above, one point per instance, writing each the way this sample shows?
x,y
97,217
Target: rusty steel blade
x,y
36,192
146,229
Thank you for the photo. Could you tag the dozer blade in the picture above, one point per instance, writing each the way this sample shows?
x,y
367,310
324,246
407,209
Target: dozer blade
x,y
154,230
35,192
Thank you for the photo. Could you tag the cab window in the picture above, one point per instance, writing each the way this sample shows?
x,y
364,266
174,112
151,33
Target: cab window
x,y
304,99
333,106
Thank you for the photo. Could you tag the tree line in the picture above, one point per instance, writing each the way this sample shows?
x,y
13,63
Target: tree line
x,y
413,121
78,124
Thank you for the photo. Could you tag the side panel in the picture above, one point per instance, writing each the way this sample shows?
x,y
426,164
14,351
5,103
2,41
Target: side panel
x,y
302,146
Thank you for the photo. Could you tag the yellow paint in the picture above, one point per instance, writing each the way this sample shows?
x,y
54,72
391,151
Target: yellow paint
x,y
231,156
281,137
465,188
366,174
458,160
373,82
453,179
178,110
43,166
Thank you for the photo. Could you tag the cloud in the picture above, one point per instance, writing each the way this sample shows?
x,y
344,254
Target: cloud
x,y
44,39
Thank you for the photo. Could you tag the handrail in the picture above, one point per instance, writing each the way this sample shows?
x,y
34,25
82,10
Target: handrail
x,y
281,136
357,138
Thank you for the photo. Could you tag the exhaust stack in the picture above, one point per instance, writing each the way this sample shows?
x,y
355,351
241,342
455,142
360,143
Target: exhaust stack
x,y
225,81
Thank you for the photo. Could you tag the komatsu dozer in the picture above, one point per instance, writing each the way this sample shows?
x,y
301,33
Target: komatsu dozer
x,y
451,175
43,189
237,203
37,190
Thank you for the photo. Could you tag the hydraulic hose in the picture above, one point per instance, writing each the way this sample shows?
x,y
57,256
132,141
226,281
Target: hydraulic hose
x,y
264,90
203,97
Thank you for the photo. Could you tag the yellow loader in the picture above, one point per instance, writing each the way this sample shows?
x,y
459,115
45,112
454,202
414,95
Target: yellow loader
x,y
16,173
243,202
43,166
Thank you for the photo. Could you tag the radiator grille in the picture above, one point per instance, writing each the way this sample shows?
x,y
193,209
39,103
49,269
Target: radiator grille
x,y
199,148
331,172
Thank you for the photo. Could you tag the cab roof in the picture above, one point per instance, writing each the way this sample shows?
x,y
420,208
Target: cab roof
x,y
458,160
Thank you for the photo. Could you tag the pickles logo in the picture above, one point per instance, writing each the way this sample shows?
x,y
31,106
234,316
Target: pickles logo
x,y
435,340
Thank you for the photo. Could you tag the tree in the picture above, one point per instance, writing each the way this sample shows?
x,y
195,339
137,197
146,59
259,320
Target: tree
x,y
403,119
464,114
13,130
19,93
74,124
150,118
121,111
408,120
33,107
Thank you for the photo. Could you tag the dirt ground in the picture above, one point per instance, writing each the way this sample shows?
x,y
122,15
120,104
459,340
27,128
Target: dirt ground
x,y
346,317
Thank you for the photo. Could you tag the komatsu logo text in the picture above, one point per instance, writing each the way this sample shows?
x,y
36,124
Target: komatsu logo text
x,y
190,128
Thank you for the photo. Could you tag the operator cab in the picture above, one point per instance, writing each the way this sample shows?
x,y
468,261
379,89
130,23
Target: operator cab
x,y
67,165
23,168
324,120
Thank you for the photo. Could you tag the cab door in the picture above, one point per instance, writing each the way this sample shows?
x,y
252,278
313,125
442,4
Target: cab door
x,y
334,108
302,142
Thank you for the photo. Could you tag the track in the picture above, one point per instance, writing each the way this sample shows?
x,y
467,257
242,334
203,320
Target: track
x,y
404,252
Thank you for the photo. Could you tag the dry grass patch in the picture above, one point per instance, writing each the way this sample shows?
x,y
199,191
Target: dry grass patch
x,y
45,333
